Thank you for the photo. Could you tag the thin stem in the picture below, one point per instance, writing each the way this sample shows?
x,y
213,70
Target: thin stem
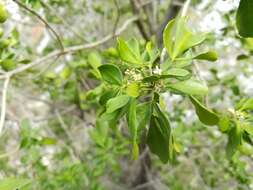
x,y
3,108
43,20
185,8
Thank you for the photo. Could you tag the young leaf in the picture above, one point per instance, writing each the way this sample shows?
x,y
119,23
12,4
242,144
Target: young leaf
x,y
209,56
177,38
111,74
127,53
205,116
133,90
116,103
158,138
191,87
244,17
95,61
247,104
12,183
248,129
133,44
224,123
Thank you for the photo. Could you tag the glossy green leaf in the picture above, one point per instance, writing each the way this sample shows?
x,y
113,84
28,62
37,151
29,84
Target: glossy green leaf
x,y
209,56
116,103
111,74
205,115
191,87
13,184
158,138
128,52
244,17
177,38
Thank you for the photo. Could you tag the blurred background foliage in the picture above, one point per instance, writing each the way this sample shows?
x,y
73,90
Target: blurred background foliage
x,y
50,136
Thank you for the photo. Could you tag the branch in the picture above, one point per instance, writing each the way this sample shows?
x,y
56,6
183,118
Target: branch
x,y
136,10
41,19
3,107
63,20
117,17
69,50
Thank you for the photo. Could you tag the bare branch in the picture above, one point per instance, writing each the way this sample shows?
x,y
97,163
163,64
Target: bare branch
x,y
136,10
69,50
3,107
51,9
42,20
118,16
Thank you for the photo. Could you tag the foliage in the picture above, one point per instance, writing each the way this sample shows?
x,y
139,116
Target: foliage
x,y
117,115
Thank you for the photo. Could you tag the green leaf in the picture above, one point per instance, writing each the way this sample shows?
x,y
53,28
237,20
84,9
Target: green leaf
x,y
246,104
8,64
209,56
178,73
191,87
158,138
248,129
107,95
131,119
116,103
100,133
152,53
152,78
134,46
133,89
13,184
244,17
132,125
234,141
129,52
177,38
205,115
111,74
47,141
144,111
95,61
3,13
224,123
65,72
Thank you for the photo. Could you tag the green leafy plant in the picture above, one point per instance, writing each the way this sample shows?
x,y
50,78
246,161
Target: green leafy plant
x,y
140,79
